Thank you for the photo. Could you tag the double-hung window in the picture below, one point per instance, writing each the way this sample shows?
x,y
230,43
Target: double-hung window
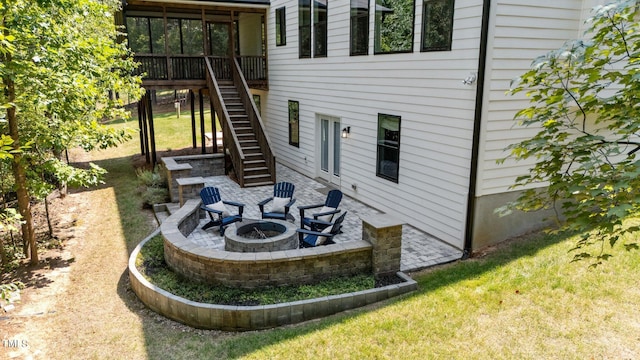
x,y
294,123
312,20
388,157
281,27
359,27
394,26
437,27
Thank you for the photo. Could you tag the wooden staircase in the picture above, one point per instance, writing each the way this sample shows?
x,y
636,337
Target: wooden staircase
x,y
256,172
244,136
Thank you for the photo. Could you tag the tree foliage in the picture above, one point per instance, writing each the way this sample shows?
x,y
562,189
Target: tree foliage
x,y
60,64
584,101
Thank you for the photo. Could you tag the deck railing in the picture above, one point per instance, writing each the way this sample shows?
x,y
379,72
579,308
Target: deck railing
x,y
255,119
185,67
229,136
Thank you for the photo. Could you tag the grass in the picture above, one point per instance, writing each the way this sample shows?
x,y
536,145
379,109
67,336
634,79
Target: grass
x,y
151,264
525,300
166,126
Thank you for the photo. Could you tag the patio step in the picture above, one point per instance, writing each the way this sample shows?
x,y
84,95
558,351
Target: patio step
x,y
257,180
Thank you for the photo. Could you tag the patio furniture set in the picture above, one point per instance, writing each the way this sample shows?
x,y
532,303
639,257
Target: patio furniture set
x,y
319,223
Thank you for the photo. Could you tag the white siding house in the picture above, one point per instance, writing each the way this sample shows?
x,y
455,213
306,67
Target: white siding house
x,y
446,126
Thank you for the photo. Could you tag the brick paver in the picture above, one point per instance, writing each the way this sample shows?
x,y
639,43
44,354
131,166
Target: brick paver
x,y
419,250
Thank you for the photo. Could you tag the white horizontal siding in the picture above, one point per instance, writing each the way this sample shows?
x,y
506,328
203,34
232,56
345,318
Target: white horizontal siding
x,y
521,30
425,89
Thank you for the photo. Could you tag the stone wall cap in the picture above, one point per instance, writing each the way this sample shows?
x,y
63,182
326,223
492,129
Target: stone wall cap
x,y
172,165
190,180
381,220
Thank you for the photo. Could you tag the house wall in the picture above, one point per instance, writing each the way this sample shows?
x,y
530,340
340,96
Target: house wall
x,y
520,31
424,88
250,36
437,111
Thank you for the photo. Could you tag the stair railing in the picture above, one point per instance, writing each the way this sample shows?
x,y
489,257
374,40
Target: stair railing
x,y
229,136
254,118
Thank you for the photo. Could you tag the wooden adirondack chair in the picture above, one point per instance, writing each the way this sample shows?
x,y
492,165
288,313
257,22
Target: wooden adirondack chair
x,y
281,202
325,212
310,238
219,214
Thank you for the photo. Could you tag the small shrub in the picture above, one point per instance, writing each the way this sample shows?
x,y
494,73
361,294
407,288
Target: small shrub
x,y
153,186
154,195
151,178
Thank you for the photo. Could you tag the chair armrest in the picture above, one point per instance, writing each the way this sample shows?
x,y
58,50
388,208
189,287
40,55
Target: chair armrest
x,y
203,207
265,201
311,232
290,204
315,216
233,203
319,222
262,203
307,207
240,206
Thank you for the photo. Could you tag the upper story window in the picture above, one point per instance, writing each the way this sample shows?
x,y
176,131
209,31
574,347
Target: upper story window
x,y
320,28
146,35
219,42
185,36
359,27
281,26
388,157
394,26
312,20
437,28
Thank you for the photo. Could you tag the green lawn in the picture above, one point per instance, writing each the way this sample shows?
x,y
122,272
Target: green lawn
x,y
525,300
171,132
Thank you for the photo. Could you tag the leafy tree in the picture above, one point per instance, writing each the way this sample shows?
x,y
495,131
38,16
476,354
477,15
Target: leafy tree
x,y
59,61
584,101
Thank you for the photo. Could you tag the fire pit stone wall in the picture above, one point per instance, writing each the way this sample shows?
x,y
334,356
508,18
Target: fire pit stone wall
x,y
254,270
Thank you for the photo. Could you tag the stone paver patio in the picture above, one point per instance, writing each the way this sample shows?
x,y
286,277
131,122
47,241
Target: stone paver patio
x,y
419,250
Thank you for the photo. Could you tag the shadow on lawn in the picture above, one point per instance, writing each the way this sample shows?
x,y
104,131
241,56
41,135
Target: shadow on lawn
x,y
167,339
428,281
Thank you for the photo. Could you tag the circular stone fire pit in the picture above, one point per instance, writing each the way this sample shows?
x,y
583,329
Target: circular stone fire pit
x,y
260,236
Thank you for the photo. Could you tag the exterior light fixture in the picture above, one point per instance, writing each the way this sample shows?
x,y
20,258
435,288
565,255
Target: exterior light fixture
x,y
346,131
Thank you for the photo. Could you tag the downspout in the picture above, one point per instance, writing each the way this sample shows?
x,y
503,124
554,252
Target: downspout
x,y
477,122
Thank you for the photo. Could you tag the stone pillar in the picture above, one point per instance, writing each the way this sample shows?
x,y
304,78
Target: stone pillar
x,y
384,232
189,188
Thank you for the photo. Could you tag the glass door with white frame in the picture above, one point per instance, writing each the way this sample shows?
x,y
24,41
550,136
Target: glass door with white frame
x,y
329,149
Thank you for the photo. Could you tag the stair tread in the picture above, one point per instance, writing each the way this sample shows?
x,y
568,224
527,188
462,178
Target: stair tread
x,y
256,184
250,177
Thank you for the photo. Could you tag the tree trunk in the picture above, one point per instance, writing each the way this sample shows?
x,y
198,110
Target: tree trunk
x,y
46,209
3,253
19,173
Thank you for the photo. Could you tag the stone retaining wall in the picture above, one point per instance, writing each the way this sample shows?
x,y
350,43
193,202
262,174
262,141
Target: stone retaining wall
x,y
244,318
177,167
252,270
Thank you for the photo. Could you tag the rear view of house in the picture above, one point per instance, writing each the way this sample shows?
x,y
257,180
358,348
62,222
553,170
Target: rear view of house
x,y
398,103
